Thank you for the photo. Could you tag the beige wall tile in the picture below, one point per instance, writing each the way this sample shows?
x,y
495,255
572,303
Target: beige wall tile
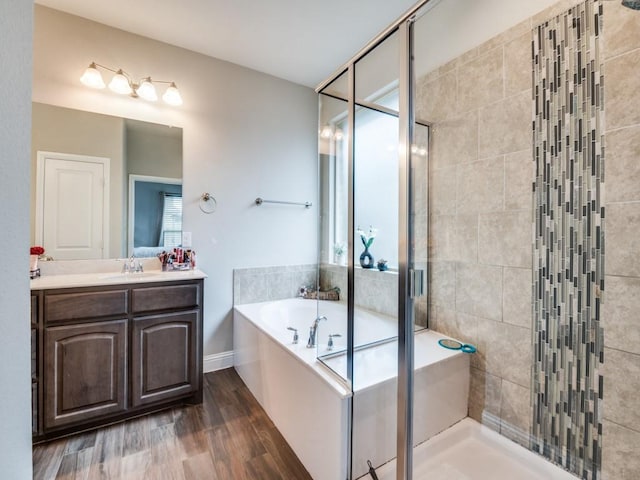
x,y
620,313
466,241
447,67
455,141
480,186
623,239
620,447
479,290
480,81
552,11
443,191
507,36
505,126
506,349
442,285
250,289
517,64
468,56
621,374
442,236
421,232
516,412
281,285
436,99
484,397
622,84
518,180
457,325
621,29
505,239
516,297
621,164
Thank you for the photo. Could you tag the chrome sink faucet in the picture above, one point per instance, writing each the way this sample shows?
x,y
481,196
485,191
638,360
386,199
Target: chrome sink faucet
x,y
132,265
313,330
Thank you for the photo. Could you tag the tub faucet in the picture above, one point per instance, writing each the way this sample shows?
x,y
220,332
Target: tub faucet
x,y
313,330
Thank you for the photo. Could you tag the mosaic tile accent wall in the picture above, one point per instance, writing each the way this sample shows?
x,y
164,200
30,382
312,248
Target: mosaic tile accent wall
x,y
568,269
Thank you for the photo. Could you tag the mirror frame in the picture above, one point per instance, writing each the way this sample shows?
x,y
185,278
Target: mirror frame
x,y
133,178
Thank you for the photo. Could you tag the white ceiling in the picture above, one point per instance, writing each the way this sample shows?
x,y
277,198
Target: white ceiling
x,y
299,40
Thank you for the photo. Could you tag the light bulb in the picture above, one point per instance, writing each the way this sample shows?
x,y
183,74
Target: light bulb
x,y
326,131
92,77
120,84
147,91
172,95
338,135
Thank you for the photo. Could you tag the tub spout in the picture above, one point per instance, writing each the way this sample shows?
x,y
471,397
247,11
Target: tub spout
x,y
313,331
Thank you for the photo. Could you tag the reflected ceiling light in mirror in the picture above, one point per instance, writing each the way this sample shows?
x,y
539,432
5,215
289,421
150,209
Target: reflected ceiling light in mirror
x,y
417,150
121,83
326,131
331,132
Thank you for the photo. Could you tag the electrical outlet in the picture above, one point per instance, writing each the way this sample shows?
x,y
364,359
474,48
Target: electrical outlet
x,y
186,239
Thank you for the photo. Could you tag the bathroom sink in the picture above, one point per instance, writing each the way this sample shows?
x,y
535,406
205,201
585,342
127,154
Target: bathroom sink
x,y
129,276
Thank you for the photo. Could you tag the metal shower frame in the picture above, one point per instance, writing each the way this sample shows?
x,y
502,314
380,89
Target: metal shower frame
x,y
406,290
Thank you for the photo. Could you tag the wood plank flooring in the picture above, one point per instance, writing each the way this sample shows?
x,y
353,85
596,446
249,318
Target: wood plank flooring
x,y
228,437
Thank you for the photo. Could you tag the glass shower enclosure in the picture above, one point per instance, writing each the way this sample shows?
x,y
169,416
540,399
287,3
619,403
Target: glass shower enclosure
x,y
373,172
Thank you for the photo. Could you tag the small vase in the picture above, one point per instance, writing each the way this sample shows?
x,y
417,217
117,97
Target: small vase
x,y
33,262
366,259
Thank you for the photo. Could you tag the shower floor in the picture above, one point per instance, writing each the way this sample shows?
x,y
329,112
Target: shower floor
x,y
471,451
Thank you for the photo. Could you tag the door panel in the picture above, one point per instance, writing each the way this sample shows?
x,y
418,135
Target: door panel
x,y
85,371
164,357
74,206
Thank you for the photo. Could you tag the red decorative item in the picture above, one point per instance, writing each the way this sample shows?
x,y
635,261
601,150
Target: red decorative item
x,y
36,250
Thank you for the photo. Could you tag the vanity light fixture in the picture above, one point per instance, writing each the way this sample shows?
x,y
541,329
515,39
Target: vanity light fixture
x,y
121,83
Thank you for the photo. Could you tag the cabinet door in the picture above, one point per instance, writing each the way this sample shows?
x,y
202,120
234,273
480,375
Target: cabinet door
x,y
164,357
85,371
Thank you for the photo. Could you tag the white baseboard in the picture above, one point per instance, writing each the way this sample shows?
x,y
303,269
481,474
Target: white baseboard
x,y
217,361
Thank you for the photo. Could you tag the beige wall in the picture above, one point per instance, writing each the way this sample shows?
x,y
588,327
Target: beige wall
x,y
63,130
245,134
153,154
15,112
621,426
480,238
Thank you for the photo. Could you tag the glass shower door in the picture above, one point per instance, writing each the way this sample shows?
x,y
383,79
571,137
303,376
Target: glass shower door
x,y
372,183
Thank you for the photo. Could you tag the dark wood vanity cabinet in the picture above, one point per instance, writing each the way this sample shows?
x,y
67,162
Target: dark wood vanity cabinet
x,y
85,371
109,353
163,357
35,365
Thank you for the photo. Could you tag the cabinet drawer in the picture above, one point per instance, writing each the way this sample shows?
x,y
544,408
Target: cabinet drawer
x,y
165,298
71,306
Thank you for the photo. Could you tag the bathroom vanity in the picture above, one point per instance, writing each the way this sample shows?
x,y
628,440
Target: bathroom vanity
x,y
107,347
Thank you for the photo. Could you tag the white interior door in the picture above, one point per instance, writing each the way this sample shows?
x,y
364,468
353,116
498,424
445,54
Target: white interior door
x,y
74,206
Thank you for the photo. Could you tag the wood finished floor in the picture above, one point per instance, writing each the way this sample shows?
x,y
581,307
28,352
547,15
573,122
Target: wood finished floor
x,y
228,437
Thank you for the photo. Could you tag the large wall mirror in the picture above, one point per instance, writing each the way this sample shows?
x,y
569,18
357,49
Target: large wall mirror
x,y
104,186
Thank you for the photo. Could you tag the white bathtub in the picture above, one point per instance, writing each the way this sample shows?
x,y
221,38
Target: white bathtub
x,y
309,403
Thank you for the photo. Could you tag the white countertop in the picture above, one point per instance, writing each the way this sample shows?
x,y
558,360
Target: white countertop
x,y
76,280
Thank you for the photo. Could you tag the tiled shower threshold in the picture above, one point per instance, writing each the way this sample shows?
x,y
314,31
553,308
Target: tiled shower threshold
x,y
471,451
